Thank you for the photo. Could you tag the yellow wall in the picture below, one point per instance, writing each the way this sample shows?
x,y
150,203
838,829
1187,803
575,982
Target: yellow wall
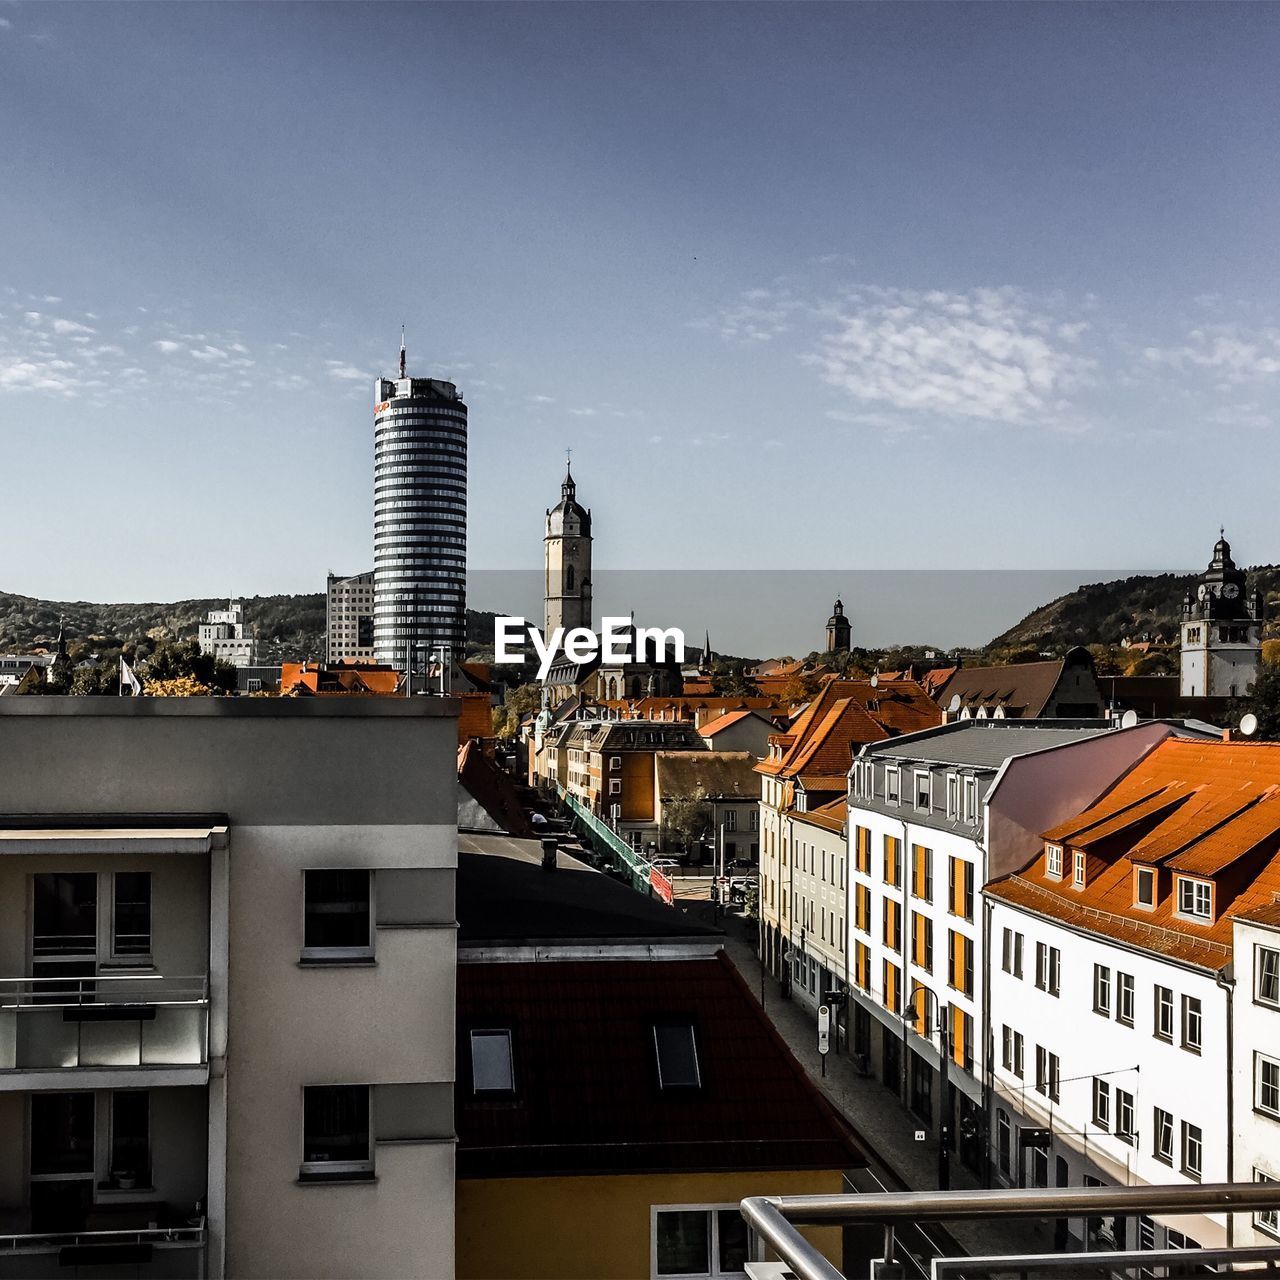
x,y
637,786
598,1228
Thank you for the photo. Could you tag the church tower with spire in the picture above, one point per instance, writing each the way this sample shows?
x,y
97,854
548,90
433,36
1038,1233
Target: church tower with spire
x,y
567,559
839,631
1221,630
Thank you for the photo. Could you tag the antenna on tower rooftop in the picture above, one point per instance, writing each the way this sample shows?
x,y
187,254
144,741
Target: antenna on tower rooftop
x,y
402,373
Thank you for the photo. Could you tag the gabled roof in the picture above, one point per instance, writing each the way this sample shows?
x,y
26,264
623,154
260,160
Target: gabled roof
x,y
1023,689
728,720
587,1097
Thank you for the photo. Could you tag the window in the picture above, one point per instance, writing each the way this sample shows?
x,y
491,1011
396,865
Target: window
x,y
1192,1024
924,791
1011,953
1101,1103
1053,861
700,1241
862,908
1267,983
677,1054
1003,1141
1162,1142
1124,1116
1124,999
961,885
953,798
891,785
862,850
922,941
65,914
1048,967
131,914
1267,1220
1266,1084
960,963
131,1137
1195,898
922,872
615,762
1192,1150
1017,1054
1046,1073
492,1070
892,990
337,915
1039,1167
1102,990
893,861
892,925
971,800
1077,875
615,786
335,1132
1164,1014
1144,887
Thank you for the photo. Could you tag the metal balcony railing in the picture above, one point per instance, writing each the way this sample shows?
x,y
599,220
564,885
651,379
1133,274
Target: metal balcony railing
x,y
108,1020
774,1221
175,1253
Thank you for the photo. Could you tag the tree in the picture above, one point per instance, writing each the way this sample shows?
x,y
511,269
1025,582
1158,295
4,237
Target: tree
x,y
524,700
686,818
177,687
176,659
1264,701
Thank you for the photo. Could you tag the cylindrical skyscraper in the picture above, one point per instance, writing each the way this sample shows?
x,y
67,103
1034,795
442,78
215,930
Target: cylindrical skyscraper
x,y
419,517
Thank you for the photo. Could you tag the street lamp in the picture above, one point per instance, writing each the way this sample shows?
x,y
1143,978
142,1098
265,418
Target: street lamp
x,y
944,1052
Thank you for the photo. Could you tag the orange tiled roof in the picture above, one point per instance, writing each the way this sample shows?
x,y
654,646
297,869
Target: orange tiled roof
x,y
830,816
720,723
1193,807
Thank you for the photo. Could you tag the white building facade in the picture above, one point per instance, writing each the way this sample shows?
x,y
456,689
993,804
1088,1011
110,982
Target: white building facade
x,y
224,634
348,618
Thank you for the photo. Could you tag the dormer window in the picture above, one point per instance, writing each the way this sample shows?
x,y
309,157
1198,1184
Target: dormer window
x,y
953,796
924,791
971,800
1144,888
1195,898
1053,861
892,785
1077,873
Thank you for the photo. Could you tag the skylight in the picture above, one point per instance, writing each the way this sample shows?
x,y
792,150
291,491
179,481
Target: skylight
x,y
677,1055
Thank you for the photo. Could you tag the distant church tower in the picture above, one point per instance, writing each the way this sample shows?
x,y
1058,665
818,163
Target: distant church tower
x,y
1221,631
839,632
567,555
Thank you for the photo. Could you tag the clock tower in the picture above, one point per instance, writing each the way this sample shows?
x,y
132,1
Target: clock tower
x,y
567,559
1221,631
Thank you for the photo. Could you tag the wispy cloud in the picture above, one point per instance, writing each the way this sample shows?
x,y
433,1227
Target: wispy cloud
x,y
1235,353
166,346
347,372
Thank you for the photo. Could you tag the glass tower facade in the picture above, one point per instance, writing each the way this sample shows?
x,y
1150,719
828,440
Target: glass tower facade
x,y
419,518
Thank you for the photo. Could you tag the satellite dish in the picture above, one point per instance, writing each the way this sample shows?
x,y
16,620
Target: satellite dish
x,y
1129,719
1248,724
954,705
875,681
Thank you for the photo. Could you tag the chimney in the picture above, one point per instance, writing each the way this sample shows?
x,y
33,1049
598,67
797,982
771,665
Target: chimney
x,y
548,853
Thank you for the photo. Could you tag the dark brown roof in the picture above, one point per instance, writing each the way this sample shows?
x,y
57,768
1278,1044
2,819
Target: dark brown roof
x,y
1023,689
587,1098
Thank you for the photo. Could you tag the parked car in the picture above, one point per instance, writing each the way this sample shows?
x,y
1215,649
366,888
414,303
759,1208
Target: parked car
x,y
664,864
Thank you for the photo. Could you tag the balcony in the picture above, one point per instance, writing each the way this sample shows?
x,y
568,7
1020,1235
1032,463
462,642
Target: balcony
x,y
103,1027
175,1253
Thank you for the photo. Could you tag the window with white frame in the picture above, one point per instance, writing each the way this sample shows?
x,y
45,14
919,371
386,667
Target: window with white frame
x,y
971,800
1267,1220
1048,968
1046,1073
1053,861
924,791
1266,986
1124,1116
1077,875
699,1242
615,786
1124,999
1192,1024
1164,1014
1162,1135
953,796
892,784
1102,990
1195,898
1144,887
1192,1150
731,820
1101,1103
1266,1084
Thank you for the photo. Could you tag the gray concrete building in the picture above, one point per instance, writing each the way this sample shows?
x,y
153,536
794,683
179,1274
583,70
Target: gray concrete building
x,y
348,618
224,634
227,964
419,516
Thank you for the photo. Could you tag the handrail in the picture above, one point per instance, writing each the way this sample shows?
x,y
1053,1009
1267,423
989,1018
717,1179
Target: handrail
x,y
104,989
774,1219
633,862
12,1243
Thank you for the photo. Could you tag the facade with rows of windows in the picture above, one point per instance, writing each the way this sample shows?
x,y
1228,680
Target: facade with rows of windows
x,y
932,817
1135,993
419,517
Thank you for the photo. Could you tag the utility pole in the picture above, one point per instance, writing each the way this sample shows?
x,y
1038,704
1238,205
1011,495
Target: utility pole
x,y
944,1127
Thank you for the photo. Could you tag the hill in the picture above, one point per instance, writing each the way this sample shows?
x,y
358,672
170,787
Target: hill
x,y
289,627
1106,612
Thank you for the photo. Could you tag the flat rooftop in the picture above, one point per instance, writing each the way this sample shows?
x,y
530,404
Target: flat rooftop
x,y
359,708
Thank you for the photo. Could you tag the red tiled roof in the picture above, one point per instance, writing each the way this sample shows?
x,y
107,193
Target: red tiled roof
x,y
587,1098
1194,807
720,723
831,816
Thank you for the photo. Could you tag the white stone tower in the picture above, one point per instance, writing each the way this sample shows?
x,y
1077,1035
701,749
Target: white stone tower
x,y
567,557
1221,631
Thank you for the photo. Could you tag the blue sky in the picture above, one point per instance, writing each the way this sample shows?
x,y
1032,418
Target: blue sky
x,y
807,286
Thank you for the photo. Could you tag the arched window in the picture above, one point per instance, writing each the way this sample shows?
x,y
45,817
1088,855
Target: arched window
x,y
568,579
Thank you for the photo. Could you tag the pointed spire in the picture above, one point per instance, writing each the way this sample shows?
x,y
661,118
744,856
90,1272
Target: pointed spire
x,y
568,489
402,355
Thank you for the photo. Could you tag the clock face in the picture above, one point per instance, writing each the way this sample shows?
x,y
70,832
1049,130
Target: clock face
x,y
1203,593
1231,590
